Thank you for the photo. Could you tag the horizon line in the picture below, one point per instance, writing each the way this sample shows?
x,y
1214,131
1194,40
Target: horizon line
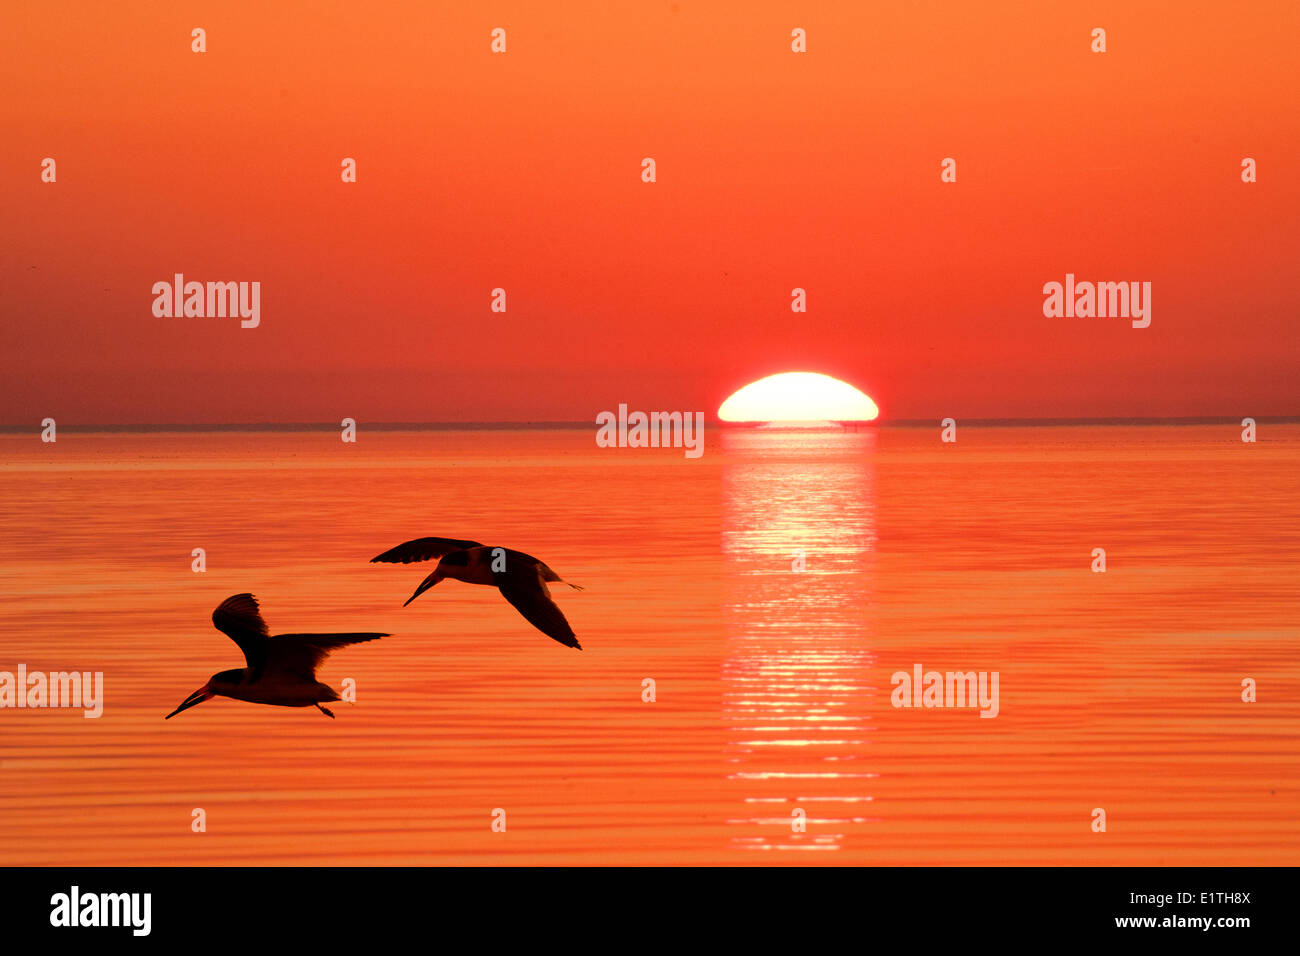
x,y
508,425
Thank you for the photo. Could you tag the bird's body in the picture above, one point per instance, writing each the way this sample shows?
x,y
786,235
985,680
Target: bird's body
x,y
281,690
478,563
519,577
281,670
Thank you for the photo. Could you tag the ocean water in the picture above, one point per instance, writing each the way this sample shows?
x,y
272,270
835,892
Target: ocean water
x,y
1118,690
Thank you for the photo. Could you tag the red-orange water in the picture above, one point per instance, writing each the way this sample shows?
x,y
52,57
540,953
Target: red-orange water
x,y
1119,691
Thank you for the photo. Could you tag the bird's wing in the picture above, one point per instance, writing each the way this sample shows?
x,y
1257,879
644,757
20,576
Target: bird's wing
x,y
301,654
239,619
524,588
422,549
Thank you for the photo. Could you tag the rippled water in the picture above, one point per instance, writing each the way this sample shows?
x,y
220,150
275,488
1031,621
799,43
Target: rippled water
x,y
1118,690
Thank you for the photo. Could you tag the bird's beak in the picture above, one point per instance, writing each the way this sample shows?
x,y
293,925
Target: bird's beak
x,y
427,583
198,697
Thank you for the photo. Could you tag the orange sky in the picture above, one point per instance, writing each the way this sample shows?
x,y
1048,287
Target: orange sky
x,y
522,170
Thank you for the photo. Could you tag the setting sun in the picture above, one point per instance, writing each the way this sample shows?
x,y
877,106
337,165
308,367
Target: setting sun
x,y
798,397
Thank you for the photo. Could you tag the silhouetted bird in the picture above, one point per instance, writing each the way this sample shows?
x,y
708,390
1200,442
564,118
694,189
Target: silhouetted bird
x,y
520,577
281,670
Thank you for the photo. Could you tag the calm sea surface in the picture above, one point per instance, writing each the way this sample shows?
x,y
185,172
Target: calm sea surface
x,y
1119,691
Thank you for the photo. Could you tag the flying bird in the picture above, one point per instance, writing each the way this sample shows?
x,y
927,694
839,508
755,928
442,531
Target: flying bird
x,y
281,670
519,577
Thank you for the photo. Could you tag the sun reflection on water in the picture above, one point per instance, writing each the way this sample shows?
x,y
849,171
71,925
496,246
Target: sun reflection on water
x,y
798,539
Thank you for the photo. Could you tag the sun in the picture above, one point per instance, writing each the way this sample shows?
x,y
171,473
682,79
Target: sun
x,y
798,397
